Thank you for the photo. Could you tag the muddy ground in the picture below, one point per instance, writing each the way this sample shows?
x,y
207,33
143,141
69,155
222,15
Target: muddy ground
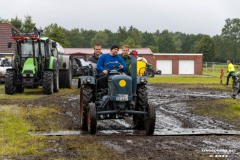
x,y
179,134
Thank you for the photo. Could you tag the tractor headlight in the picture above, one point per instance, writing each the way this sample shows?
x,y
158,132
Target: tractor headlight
x,y
142,79
88,79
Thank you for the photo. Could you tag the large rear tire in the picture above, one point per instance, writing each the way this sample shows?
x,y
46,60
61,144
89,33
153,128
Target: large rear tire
x,y
65,77
47,82
20,88
10,82
86,96
92,119
142,102
56,81
150,73
150,119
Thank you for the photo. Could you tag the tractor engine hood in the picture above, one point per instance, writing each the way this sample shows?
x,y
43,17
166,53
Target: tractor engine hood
x,y
120,85
29,69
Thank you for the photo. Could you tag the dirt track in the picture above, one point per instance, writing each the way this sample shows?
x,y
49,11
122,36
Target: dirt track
x,y
174,117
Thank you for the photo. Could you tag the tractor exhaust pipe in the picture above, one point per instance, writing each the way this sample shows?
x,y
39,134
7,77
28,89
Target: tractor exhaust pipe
x,y
133,72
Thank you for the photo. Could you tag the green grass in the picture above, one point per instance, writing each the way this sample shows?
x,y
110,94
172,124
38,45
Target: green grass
x,y
184,79
32,93
14,137
227,109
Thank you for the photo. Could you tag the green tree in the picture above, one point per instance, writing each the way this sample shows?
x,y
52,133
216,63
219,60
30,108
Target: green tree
x,y
122,34
56,33
166,43
100,38
136,35
206,46
148,39
112,38
88,35
28,26
231,37
74,38
17,23
129,41
220,49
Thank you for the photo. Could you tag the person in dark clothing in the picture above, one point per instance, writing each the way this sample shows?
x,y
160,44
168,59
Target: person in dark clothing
x,y
126,57
97,53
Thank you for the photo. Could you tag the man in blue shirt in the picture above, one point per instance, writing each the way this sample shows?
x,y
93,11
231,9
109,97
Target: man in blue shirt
x,y
111,57
106,58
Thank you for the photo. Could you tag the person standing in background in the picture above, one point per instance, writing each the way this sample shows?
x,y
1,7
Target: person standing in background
x,y
221,76
97,53
126,57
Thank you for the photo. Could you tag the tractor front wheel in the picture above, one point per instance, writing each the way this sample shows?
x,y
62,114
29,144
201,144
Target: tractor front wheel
x,y
92,119
20,88
150,119
10,82
142,101
47,82
56,81
86,96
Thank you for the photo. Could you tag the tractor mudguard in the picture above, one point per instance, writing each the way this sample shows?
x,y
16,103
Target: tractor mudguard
x,y
52,63
87,80
142,79
63,62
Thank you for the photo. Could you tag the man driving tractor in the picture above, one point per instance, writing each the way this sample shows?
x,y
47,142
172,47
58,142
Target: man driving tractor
x,y
107,58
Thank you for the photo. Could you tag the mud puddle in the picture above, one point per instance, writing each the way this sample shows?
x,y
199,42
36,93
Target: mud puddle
x,y
176,131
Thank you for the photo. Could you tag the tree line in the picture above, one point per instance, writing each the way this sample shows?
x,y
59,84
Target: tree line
x,y
217,48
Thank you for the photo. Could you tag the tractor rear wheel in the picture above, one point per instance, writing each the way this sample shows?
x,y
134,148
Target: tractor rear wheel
x,y
47,82
150,73
86,96
56,81
20,88
92,119
142,102
10,82
65,77
150,119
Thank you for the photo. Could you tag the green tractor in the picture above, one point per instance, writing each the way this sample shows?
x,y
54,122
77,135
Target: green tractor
x,y
37,61
149,71
126,96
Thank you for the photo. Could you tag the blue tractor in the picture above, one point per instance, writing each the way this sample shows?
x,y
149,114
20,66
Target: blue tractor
x,y
125,96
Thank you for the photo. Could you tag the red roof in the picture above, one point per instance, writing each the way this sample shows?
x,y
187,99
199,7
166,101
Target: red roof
x,y
89,51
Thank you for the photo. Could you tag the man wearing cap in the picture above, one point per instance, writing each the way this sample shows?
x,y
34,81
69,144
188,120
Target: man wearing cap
x,y
111,57
106,58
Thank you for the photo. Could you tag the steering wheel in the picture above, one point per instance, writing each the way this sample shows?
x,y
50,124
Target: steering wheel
x,y
113,65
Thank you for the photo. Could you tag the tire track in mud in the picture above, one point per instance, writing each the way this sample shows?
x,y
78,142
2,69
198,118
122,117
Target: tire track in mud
x,y
173,116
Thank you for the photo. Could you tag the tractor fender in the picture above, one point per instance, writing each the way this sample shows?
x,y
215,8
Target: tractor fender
x,y
142,79
86,80
64,61
53,65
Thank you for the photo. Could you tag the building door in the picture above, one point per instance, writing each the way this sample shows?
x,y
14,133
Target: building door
x,y
165,66
186,67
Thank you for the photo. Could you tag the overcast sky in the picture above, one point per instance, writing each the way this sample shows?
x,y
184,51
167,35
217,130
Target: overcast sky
x,y
186,16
